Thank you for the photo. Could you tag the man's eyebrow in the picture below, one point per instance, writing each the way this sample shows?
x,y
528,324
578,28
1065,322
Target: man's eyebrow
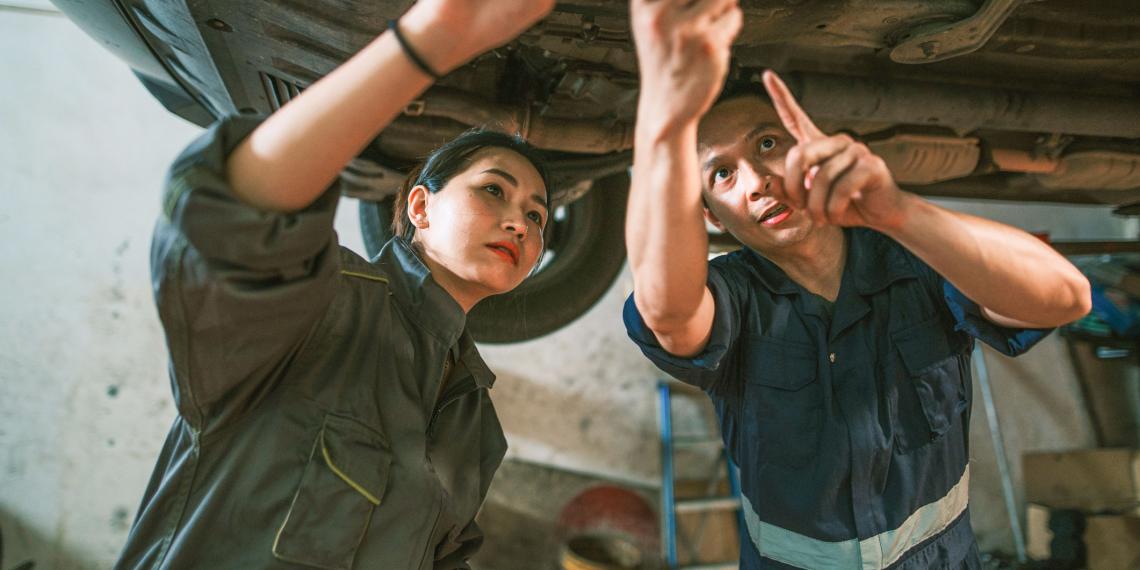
x,y
504,174
762,127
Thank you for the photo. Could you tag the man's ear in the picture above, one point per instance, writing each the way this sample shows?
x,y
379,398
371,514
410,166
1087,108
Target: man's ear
x,y
712,219
417,206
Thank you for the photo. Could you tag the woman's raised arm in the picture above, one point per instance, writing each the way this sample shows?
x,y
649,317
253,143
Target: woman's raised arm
x,y
291,158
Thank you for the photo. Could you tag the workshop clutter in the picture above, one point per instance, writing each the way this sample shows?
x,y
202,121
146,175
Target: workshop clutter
x,y
1109,379
1115,281
1103,346
1084,505
1084,508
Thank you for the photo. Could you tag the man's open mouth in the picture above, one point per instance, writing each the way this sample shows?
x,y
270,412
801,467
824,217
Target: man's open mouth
x,y
773,212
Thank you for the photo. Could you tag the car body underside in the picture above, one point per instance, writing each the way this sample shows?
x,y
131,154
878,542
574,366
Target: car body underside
x,y
996,99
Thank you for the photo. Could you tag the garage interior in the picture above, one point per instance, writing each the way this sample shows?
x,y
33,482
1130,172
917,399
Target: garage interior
x,y
85,400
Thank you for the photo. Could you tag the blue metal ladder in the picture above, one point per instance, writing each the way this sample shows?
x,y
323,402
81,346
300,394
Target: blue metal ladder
x,y
670,506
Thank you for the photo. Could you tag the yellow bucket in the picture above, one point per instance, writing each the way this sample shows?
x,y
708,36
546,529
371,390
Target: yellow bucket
x,y
600,552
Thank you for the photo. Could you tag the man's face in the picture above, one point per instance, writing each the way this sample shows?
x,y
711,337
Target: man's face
x,y
741,149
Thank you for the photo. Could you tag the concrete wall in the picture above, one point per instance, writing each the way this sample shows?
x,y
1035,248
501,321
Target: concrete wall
x,y
83,403
84,397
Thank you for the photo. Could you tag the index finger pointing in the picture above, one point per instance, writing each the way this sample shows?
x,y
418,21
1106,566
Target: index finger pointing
x,y
791,114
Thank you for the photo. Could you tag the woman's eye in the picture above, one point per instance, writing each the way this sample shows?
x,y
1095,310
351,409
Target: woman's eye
x,y
767,143
494,189
535,217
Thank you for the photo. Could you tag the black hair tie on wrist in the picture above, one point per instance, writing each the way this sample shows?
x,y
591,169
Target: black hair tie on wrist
x,y
411,53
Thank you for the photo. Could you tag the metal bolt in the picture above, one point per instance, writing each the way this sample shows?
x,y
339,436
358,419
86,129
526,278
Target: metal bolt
x,y
929,49
219,25
415,108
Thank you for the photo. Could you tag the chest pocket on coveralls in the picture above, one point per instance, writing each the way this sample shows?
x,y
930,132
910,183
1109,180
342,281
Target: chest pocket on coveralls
x,y
784,400
343,482
928,386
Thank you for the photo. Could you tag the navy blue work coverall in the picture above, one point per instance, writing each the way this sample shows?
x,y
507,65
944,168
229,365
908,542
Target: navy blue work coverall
x,y
849,422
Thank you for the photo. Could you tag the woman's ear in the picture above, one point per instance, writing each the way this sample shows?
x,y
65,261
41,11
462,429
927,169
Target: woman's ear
x,y
417,206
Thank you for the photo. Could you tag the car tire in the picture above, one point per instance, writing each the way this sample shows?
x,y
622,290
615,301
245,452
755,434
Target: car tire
x,y
585,252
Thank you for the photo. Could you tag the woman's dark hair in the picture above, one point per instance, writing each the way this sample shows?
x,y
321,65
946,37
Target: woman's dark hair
x,y
451,159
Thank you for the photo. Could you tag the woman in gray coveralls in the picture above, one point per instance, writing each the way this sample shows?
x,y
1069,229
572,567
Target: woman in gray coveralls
x,y
333,411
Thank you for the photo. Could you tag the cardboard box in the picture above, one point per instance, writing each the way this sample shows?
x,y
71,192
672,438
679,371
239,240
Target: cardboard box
x,y
1113,542
1091,480
1038,535
1055,536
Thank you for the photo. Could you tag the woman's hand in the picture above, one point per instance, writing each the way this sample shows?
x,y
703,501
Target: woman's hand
x,y
683,50
449,33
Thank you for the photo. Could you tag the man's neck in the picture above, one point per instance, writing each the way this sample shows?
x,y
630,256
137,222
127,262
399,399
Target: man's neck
x,y
815,263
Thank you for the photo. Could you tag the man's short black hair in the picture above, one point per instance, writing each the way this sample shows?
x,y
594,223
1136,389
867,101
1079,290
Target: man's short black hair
x,y
737,88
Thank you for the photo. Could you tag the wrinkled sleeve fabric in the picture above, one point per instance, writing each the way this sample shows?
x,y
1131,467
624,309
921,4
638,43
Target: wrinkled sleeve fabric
x,y
456,554
968,317
237,288
706,369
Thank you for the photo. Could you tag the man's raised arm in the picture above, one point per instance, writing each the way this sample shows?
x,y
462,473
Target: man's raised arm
x,y
1016,279
683,52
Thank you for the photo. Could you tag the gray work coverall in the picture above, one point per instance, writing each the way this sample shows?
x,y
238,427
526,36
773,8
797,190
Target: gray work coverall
x,y
314,428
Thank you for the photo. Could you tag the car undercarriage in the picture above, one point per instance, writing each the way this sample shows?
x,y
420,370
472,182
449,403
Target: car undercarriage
x,y
994,99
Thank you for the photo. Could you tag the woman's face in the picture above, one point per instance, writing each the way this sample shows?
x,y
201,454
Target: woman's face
x,y
482,233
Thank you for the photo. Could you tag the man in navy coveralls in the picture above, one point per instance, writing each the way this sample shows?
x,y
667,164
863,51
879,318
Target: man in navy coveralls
x,y
835,345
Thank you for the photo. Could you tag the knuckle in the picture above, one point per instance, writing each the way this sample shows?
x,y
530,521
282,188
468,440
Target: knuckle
x,y
794,154
809,153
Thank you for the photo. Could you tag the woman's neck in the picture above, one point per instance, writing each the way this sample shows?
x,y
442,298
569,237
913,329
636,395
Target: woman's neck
x,y
459,289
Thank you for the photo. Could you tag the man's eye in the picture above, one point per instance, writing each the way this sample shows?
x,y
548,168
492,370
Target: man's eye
x,y
721,173
767,143
493,189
